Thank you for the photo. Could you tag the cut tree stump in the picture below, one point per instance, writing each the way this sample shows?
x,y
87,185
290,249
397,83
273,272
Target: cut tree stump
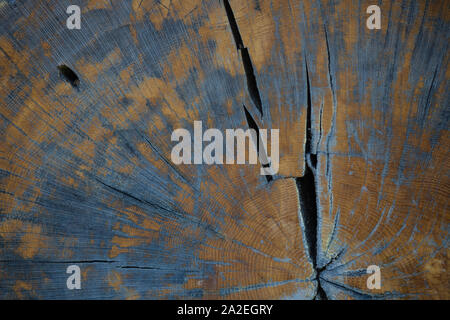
x,y
86,177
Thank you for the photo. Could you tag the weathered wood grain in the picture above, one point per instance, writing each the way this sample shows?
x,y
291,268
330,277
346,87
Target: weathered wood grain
x,y
86,176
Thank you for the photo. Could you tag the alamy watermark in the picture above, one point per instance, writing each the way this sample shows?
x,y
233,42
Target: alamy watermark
x,y
191,151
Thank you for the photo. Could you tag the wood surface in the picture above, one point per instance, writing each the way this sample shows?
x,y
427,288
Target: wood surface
x,y
86,176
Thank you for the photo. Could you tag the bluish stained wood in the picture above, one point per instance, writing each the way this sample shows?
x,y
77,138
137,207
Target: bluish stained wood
x,y
86,176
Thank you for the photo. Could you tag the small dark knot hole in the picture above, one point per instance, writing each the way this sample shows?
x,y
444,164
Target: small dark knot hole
x,y
69,75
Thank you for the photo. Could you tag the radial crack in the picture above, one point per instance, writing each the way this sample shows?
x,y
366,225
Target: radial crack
x,y
307,194
253,125
252,85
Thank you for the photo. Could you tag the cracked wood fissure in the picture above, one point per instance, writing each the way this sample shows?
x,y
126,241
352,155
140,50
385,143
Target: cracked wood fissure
x,y
86,177
246,60
251,80
306,187
259,148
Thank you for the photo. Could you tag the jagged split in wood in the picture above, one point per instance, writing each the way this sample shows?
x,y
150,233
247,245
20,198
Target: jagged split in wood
x,y
253,125
251,79
252,85
306,187
246,60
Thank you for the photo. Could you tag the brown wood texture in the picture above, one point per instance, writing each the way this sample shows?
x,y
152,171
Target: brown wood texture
x,y
86,175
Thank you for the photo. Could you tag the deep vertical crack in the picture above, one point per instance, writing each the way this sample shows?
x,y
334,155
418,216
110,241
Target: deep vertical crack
x,y
253,125
252,84
233,25
306,185
307,194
